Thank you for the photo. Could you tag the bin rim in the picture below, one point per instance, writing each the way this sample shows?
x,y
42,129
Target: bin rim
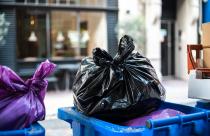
x,y
70,114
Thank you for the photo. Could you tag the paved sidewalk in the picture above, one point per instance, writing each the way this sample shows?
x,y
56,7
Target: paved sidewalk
x,y
56,127
56,99
176,91
53,101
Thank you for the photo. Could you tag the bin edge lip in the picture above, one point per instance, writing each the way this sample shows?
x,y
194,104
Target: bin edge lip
x,y
35,126
94,122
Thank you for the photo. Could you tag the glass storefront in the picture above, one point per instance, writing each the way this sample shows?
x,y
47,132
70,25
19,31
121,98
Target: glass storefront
x,y
81,2
93,31
64,34
31,34
100,3
71,34
93,2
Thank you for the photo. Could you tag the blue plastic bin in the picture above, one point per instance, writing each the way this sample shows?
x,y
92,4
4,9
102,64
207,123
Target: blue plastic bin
x,y
34,130
194,122
203,104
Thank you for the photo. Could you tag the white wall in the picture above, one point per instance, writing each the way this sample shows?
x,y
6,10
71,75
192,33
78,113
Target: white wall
x,y
131,22
187,13
128,5
151,10
153,39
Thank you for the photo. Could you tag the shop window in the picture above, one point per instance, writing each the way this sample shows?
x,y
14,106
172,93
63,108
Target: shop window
x,y
81,2
63,1
93,32
76,34
64,33
31,34
71,34
42,1
31,1
93,2
101,3
20,1
52,1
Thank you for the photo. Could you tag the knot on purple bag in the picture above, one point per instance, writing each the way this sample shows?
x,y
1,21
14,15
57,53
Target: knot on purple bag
x,y
36,85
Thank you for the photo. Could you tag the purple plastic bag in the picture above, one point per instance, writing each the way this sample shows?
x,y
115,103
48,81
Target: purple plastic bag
x,y
22,102
159,114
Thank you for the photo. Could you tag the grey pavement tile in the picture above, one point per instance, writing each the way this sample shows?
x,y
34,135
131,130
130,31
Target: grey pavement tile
x,y
56,127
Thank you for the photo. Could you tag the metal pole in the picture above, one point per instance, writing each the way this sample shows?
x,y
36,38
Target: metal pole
x,y
169,23
78,30
48,34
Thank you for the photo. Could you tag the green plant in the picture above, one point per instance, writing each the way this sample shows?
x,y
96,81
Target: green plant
x,y
3,28
135,27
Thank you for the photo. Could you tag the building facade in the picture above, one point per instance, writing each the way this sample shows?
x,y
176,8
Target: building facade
x,y
63,31
66,30
169,26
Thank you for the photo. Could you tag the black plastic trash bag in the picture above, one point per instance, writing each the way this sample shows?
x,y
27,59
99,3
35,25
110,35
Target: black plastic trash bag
x,y
117,89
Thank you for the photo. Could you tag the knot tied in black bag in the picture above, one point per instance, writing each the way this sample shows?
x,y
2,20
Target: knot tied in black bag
x,y
117,89
102,58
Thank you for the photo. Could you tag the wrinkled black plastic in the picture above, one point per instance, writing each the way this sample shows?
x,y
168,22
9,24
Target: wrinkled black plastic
x,y
117,89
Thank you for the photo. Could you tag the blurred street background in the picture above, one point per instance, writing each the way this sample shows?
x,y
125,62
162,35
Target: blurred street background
x,y
65,31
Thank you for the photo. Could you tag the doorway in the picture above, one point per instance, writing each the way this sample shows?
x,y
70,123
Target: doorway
x,y
167,48
168,19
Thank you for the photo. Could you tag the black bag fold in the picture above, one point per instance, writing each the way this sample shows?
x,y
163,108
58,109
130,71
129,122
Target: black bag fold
x,y
117,89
